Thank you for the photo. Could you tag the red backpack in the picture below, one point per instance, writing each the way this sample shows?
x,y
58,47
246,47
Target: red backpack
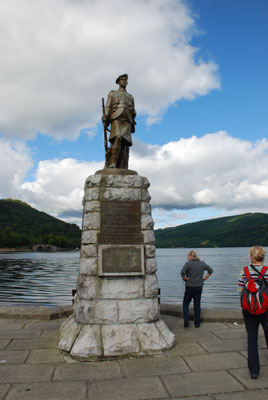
x,y
254,296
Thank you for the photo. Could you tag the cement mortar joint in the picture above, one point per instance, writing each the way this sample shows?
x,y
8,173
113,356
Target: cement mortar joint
x,y
89,237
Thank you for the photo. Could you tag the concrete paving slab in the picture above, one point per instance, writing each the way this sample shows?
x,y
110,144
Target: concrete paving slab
x,y
10,324
3,390
128,389
248,395
49,391
263,355
185,349
262,342
212,362
86,371
25,373
22,344
4,343
231,334
225,345
207,397
210,326
42,356
242,374
235,325
13,357
201,383
20,334
45,325
154,366
50,334
193,335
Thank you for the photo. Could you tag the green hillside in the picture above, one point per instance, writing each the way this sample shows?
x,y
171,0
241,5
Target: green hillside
x,y
22,225
240,230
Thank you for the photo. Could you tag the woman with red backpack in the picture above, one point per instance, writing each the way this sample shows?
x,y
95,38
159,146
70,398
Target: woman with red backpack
x,y
253,285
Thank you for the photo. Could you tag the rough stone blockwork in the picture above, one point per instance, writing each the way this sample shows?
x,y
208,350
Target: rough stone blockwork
x,y
115,315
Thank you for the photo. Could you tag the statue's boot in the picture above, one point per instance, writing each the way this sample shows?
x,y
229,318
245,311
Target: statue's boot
x,y
114,156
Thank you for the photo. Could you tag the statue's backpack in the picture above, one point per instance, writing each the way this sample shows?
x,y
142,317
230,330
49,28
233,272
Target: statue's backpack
x,y
254,296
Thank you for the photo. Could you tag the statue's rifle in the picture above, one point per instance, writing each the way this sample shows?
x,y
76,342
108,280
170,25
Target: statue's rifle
x,y
104,127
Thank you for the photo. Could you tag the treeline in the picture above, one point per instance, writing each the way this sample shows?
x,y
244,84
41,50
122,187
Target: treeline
x,y
9,238
23,226
243,230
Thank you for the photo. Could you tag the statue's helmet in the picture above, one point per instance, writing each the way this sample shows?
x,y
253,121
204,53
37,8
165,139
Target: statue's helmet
x,y
121,76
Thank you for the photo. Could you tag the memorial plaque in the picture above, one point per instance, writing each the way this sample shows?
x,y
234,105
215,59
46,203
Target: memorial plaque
x,y
120,223
120,217
121,260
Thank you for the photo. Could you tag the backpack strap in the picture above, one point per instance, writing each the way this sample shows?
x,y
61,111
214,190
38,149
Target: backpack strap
x,y
264,269
247,272
261,273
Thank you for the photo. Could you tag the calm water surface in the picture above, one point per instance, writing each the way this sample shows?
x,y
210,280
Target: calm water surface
x,y
48,278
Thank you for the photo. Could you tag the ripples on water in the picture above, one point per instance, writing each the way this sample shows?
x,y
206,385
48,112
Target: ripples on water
x,y
43,278
48,278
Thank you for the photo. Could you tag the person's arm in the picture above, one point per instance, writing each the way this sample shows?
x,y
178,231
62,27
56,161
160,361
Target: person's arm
x,y
241,281
184,272
205,277
209,272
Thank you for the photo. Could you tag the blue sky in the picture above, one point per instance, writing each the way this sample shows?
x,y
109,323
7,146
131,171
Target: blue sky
x,y
198,72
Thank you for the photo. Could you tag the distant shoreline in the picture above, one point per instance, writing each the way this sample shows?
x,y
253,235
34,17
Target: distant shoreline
x,y
23,250
14,250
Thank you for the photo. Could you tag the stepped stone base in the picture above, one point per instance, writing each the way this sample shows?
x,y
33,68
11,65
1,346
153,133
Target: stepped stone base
x,y
116,310
91,341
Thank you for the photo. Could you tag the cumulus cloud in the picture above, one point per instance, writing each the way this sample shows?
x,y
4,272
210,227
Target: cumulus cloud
x,y
15,162
214,171
58,187
58,58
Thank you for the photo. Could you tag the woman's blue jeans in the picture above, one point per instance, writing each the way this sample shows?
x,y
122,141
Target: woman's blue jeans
x,y
192,293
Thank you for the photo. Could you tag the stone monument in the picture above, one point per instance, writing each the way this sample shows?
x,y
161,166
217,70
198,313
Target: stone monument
x,y
116,309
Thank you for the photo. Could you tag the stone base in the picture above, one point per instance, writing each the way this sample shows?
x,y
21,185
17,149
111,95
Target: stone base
x,y
116,310
96,342
116,171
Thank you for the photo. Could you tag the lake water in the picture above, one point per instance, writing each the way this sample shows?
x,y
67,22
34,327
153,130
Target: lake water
x,y
48,278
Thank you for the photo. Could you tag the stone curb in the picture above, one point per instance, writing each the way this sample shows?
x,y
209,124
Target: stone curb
x,y
175,309
35,312
207,315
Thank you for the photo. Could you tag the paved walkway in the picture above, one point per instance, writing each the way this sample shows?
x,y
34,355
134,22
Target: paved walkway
x,y
206,363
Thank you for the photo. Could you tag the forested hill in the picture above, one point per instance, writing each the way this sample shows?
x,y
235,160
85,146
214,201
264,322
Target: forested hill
x,y
237,231
22,225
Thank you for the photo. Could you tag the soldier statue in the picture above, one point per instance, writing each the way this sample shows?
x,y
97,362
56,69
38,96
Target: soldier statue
x,y
120,113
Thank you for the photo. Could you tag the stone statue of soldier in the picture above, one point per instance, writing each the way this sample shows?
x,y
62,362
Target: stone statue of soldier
x,y
120,113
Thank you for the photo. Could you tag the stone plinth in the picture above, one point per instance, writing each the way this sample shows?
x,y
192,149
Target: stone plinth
x,y
116,309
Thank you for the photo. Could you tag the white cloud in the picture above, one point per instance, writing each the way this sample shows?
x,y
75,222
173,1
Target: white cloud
x,y
58,58
15,161
58,187
216,171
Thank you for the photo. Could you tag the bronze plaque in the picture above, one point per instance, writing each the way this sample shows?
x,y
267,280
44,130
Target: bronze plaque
x,y
120,218
121,260
120,239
